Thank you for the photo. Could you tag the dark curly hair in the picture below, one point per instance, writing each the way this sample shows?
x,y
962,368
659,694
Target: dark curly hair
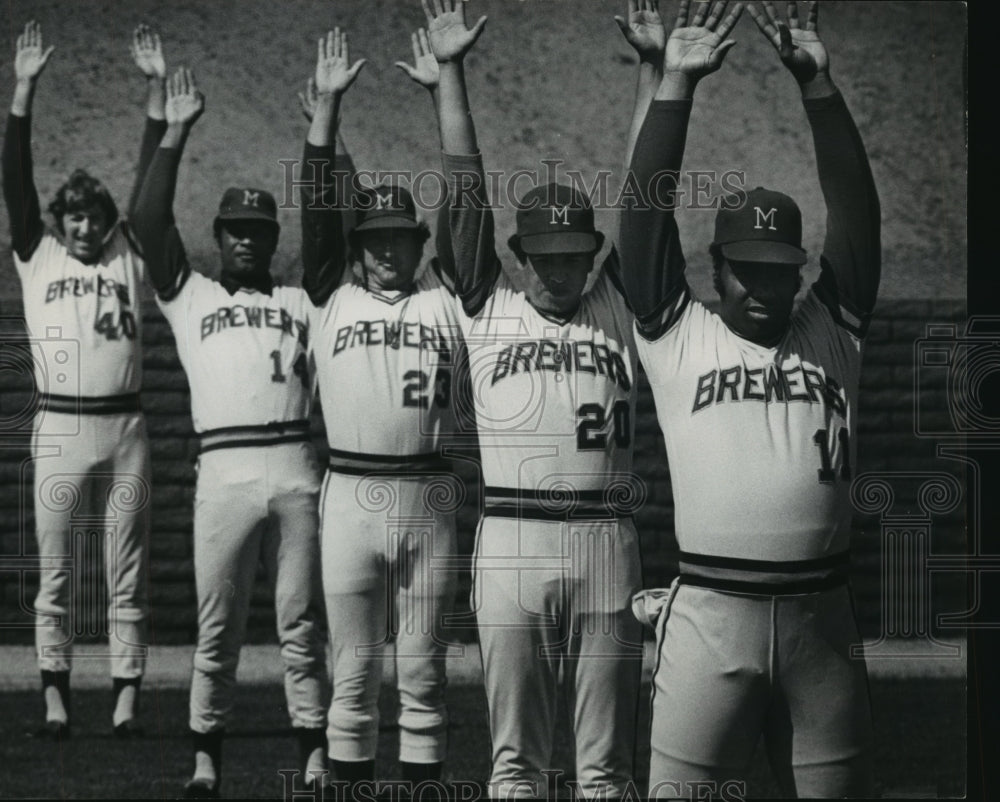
x,y
82,191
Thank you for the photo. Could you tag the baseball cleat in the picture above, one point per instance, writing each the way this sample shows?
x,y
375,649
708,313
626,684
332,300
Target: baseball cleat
x,y
52,731
129,730
200,788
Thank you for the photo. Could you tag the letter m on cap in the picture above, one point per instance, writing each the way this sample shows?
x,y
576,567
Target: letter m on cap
x,y
383,201
765,217
250,198
559,213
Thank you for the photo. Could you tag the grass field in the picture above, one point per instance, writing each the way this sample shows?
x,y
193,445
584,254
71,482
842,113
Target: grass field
x,y
919,735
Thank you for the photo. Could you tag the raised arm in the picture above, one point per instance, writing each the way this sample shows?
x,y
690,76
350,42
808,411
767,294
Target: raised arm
x,y
343,162
323,239
851,264
153,217
19,189
465,245
643,29
147,53
652,259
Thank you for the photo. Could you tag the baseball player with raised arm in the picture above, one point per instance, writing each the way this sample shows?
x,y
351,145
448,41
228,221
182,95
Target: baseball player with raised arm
x,y
243,343
758,407
553,373
80,284
385,339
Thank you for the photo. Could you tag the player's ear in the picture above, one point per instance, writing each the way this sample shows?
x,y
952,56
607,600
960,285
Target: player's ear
x,y
423,233
354,253
273,236
514,243
717,261
597,249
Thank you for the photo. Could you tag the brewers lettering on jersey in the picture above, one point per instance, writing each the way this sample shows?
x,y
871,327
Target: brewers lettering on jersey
x,y
553,372
243,342
386,342
80,285
758,407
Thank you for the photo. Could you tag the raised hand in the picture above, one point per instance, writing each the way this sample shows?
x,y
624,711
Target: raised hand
x,y
147,52
32,56
185,103
425,70
643,29
309,99
334,71
698,49
447,33
800,48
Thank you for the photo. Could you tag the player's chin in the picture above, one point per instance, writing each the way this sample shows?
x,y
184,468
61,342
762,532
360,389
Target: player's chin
x,y
392,276
556,304
246,264
764,325
85,250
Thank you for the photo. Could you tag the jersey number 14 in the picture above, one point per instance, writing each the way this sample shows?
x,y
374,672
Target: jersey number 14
x,y
299,367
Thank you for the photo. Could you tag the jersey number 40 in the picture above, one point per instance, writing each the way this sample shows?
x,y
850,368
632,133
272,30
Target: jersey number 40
x,y
124,328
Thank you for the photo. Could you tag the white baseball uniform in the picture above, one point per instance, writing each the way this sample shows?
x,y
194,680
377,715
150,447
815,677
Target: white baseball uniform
x,y
245,356
754,636
245,352
385,366
790,413
557,555
90,450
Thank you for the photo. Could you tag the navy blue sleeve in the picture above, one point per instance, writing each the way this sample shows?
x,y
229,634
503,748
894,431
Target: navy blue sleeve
x,y
652,261
19,191
851,264
325,220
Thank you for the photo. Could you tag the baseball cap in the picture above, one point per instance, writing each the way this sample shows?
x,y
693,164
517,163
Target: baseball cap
x,y
385,206
555,219
239,203
766,228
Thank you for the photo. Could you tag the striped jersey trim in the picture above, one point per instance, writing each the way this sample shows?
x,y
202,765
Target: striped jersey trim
x,y
550,505
93,405
770,577
268,434
355,463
